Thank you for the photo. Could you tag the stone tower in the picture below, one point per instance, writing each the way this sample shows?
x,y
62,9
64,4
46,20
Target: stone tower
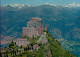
x,y
34,28
45,27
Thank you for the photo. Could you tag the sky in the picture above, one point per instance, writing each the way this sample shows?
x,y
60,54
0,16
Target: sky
x,y
41,2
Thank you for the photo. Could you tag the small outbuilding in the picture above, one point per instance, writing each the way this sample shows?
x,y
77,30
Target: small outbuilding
x,y
35,47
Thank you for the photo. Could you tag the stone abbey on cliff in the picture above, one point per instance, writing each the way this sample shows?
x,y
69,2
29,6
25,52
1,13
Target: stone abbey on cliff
x,y
34,28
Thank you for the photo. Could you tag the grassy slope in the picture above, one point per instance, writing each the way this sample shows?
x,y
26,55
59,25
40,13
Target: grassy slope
x,y
71,46
57,50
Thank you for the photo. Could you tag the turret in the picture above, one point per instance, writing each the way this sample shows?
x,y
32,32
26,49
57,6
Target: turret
x,y
45,27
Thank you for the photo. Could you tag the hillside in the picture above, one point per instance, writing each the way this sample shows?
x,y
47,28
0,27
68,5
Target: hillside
x,y
51,49
62,22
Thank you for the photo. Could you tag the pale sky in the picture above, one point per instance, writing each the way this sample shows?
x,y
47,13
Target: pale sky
x,y
41,2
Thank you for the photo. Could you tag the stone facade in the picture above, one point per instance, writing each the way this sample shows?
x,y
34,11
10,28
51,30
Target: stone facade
x,y
34,22
30,31
34,28
44,41
21,42
35,47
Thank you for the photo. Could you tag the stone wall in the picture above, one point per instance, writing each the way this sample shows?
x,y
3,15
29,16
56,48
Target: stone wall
x,y
21,42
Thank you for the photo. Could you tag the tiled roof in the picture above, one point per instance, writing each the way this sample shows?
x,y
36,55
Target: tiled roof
x,y
35,46
34,19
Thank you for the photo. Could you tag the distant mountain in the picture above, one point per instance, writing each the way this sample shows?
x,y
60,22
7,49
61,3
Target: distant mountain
x,y
62,22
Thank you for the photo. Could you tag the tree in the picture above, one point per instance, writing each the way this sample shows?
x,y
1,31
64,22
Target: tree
x,y
46,31
14,52
21,46
6,53
27,48
39,43
33,37
32,43
12,44
5,47
0,54
11,51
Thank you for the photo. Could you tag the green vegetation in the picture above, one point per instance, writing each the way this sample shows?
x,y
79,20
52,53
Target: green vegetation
x,y
30,39
27,48
71,46
39,43
12,45
25,37
38,37
32,43
51,49
56,50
